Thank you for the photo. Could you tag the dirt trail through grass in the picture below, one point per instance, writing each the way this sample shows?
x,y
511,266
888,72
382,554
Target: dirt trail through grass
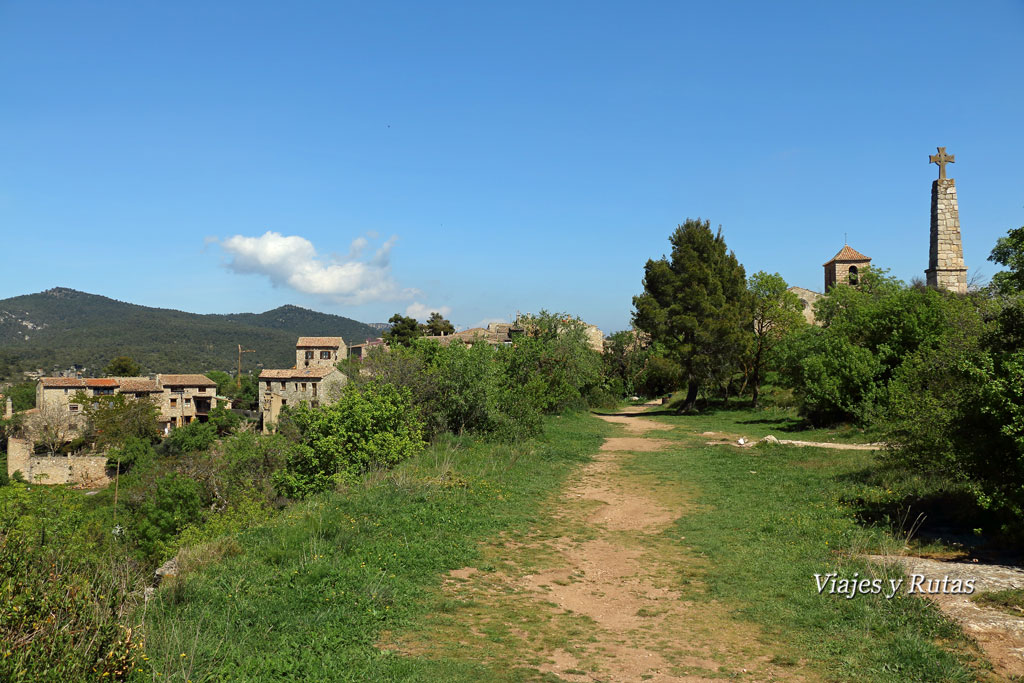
x,y
596,591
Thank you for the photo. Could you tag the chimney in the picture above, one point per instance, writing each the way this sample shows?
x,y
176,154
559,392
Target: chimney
x,y
8,409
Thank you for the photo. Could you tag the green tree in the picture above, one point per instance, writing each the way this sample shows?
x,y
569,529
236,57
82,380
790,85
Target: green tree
x,y
552,356
403,330
842,370
624,359
372,426
122,366
113,420
437,325
776,313
696,305
1009,252
22,395
227,385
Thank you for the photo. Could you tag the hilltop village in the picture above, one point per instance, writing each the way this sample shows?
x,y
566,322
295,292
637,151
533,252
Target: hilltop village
x,y
315,379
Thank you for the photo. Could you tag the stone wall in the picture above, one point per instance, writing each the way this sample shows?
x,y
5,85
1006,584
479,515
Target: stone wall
x,y
946,268
81,470
807,298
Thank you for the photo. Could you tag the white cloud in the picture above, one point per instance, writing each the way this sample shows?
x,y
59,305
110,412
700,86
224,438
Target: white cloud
x,y
292,261
422,312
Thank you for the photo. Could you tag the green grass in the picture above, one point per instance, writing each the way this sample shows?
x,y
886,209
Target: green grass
x,y
1011,601
311,593
735,417
767,520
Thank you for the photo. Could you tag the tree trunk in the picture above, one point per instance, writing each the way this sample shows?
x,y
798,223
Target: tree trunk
x,y
691,397
755,381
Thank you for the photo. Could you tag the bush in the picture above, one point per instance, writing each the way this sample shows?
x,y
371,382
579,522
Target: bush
x,y
58,618
175,503
195,436
369,427
135,452
957,409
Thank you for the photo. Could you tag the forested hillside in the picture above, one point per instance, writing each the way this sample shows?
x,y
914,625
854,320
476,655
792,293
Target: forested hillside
x,y
62,327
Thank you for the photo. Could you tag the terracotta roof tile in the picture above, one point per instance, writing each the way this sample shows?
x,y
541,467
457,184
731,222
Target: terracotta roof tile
x,y
62,382
186,381
312,372
101,382
139,385
332,342
848,253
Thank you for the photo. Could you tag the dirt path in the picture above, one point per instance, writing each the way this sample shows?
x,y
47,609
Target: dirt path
x,y
597,592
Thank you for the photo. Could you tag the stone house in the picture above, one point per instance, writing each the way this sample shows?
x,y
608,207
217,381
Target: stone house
x,y
180,399
319,351
184,398
315,385
807,298
359,351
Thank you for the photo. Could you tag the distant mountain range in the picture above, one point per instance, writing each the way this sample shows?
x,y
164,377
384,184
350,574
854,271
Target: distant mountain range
x,y
61,328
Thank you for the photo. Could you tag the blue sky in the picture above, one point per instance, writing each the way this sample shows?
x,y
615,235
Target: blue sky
x,y
483,158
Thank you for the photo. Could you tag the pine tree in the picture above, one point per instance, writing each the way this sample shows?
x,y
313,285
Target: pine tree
x,y
696,305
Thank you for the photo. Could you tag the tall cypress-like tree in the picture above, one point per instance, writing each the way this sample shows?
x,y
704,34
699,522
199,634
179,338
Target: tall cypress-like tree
x,y
696,304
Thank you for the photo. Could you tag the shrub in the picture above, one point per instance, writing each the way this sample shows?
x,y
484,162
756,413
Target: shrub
x,y
195,436
175,503
369,427
58,618
135,452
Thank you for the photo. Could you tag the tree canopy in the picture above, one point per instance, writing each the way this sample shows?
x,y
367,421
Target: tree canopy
x,y
776,312
403,330
437,325
1009,252
696,305
122,366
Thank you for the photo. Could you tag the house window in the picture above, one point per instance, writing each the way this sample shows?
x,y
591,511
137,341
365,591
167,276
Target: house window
x,y
201,390
188,402
325,355
282,386
309,355
314,389
73,407
65,392
284,401
174,402
303,386
268,386
853,275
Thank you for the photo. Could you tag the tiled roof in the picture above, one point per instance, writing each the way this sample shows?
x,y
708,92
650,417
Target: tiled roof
x,y
62,382
186,381
332,342
471,335
848,253
312,372
139,385
101,382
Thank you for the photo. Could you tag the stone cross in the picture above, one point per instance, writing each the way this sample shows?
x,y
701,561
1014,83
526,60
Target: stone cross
x,y
942,159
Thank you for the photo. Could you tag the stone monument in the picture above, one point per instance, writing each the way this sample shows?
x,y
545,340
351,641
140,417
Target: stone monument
x,y
946,268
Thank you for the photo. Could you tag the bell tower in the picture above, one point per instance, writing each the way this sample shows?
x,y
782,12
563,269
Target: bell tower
x,y
845,267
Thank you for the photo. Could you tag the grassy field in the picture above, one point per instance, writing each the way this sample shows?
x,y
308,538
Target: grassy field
x,y
312,594
768,519
308,595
